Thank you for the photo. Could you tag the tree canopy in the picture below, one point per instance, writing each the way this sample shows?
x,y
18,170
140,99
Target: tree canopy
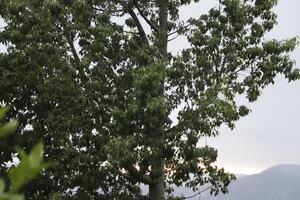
x,y
95,81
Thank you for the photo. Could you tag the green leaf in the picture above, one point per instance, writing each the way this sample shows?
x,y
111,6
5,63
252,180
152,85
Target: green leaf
x,y
16,197
36,156
3,112
29,167
2,187
9,196
8,128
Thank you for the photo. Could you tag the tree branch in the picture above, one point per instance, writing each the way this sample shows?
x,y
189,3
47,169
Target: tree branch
x,y
112,11
74,52
198,193
138,25
183,28
169,40
70,41
144,17
131,32
143,178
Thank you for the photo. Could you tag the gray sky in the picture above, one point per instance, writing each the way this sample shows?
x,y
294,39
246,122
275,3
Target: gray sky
x,y
270,134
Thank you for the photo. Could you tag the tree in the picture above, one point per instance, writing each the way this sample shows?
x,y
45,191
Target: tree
x,y
102,91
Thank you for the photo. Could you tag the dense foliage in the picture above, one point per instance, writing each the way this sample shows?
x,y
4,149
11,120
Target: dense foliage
x,y
89,80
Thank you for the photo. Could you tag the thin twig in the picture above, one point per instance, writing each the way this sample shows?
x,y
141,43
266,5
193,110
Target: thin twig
x,y
113,11
185,27
169,40
198,193
131,32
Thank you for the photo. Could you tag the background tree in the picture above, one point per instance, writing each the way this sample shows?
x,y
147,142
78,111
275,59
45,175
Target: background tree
x,y
102,91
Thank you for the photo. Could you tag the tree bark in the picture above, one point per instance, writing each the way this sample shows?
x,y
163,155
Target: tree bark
x,y
157,189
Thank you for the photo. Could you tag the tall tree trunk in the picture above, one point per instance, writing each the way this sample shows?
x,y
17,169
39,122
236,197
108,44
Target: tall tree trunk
x,y
157,189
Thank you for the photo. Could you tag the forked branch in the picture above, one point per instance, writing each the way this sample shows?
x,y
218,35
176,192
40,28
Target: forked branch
x,y
144,17
143,178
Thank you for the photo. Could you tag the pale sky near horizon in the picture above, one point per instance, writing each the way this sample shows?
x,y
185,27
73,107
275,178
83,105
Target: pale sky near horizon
x,y
270,134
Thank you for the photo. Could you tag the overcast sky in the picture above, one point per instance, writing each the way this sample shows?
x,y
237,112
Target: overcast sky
x,y
270,134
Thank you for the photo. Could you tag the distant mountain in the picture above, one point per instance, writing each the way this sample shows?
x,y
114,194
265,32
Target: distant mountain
x,y
281,182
